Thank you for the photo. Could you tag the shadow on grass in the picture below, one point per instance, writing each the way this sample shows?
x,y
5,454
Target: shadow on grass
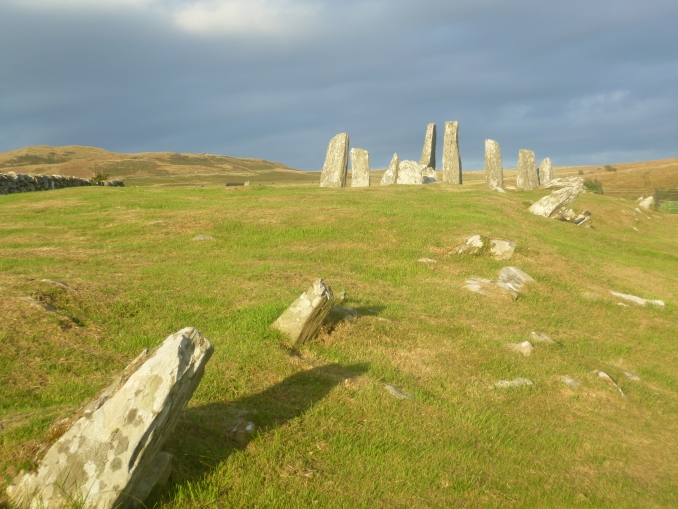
x,y
207,435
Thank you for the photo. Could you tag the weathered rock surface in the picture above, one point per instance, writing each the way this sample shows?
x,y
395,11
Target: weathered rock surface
x,y
410,173
516,382
540,337
37,304
426,260
561,182
394,391
631,376
451,159
494,171
428,154
390,176
360,168
112,455
305,316
647,203
472,245
514,278
527,176
638,300
511,280
545,171
203,238
557,200
502,249
570,382
429,175
608,380
525,348
336,162
344,313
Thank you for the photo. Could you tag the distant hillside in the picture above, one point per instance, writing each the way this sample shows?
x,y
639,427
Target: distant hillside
x,y
149,168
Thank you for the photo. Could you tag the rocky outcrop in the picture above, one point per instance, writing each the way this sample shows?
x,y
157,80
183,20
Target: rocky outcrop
x,y
390,176
302,320
360,168
111,457
336,162
451,159
494,171
545,171
428,154
527,177
410,173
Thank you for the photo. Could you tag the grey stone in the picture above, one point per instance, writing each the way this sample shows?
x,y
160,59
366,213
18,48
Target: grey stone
x,y
562,182
390,176
394,391
638,300
109,452
516,382
527,177
360,168
302,320
631,376
514,278
608,380
647,203
409,173
429,175
158,474
557,200
570,382
38,304
511,280
451,159
525,348
428,154
336,162
540,337
545,171
203,237
502,249
494,171
471,246
426,260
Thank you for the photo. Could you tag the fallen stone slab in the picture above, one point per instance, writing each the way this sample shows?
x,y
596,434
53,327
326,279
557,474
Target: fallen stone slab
x,y
59,285
540,337
631,376
525,348
471,246
511,280
344,313
302,320
390,176
427,260
561,182
570,382
394,391
410,173
201,238
557,200
112,455
638,300
336,162
516,382
501,249
608,380
514,277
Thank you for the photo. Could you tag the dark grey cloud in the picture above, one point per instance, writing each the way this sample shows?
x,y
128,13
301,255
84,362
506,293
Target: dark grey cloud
x,y
581,82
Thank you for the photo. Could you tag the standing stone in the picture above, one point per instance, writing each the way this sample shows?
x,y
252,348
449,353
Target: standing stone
x,y
527,177
336,162
302,320
451,159
494,171
391,175
428,155
410,173
360,168
545,172
112,455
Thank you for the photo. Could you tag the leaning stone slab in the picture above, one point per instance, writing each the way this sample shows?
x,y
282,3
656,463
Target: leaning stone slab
x,y
555,201
336,162
638,300
494,171
390,176
527,177
410,173
360,168
545,171
451,159
112,455
428,154
302,320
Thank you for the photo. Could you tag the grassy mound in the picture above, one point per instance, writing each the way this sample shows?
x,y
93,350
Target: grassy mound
x,y
327,433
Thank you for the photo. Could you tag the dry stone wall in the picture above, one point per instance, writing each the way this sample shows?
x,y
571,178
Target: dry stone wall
x,y
11,183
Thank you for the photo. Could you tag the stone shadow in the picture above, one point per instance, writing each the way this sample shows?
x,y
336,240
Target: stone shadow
x,y
207,435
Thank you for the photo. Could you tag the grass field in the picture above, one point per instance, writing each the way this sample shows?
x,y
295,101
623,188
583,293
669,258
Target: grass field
x,y
328,434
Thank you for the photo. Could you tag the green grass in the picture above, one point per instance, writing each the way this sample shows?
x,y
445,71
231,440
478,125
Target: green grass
x,y
328,434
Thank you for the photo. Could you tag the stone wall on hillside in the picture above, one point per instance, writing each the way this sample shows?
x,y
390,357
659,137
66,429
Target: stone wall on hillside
x,y
21,183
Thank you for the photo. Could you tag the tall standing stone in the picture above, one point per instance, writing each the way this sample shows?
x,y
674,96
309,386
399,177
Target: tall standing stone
x,y
391,174
360,168
545,172
451,159
526,176
494,171
428,155
336,162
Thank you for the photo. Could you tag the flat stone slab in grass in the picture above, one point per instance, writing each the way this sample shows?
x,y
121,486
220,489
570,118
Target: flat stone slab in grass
x,y
471,246
637,300
426,260
525,348
570,382
394,391
540,337
302,320
112,454
631,376
203,238
502,249
511,280
516,382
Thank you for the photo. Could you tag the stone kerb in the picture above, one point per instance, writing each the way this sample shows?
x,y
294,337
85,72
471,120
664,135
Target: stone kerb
x,y
494,171
451,159
360,168
527,177
336,162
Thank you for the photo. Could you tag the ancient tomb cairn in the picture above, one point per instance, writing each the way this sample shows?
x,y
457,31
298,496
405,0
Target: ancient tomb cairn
x,y
336,162
360,168
302,320
545,172
494,171
391,174
527,177
451,158
112,455
428,154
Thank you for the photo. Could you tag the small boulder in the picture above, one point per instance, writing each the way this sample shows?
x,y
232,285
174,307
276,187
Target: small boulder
x,y
540,337
502,249
514,278
38,304
472,245
570,382
302,320
525,348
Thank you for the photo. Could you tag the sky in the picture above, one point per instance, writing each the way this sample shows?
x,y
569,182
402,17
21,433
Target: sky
x,y
582,81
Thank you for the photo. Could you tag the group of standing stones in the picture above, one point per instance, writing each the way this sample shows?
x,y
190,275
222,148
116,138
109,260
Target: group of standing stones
x,y
335,169
528,175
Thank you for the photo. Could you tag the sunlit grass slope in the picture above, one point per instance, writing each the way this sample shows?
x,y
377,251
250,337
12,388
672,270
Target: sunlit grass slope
x,y
328,434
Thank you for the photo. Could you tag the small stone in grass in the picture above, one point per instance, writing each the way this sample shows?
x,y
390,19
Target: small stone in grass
x,y
426,260
608,379
203,237
516,382
394,391
540,337
524,348
631,376
569,381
